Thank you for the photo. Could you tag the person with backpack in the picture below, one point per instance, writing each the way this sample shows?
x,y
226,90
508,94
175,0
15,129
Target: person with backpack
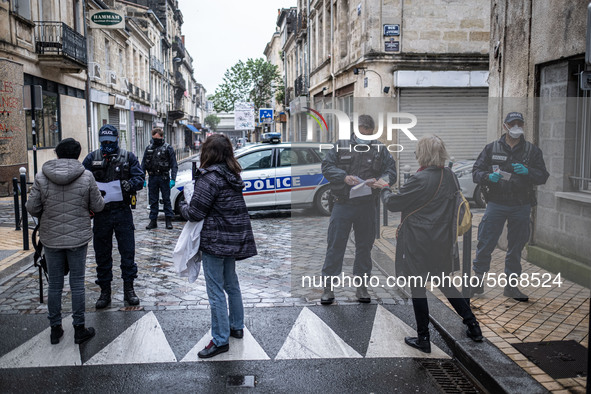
x,y
119,176
348,164
507,170
160,163
426,236
62,197
225,238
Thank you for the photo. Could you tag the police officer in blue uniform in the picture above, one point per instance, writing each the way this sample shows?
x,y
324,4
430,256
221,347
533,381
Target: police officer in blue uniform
x,y
354,160
119,174
507,170
160,163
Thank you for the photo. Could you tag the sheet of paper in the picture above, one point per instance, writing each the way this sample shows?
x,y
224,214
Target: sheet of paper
x,y
506,175
361,189
112,191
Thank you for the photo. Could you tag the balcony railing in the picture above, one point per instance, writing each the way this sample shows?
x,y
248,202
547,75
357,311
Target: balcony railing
x,y
57,38
300,88
156,65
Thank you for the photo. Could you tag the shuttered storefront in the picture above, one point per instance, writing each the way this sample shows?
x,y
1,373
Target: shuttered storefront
x,y
457,115
114,117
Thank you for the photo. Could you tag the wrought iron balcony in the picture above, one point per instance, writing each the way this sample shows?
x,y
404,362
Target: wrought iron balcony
x,y
300,88
58,45
156,65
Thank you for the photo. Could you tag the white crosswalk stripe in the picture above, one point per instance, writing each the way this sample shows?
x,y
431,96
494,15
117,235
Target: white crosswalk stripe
x,y
39,352
387,338
246,348
310,337
143,342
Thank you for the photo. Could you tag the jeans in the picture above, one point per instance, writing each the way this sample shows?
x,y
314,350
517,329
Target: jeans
x,y
159,184
56,261
120,221
421,307
489,232
220,276
362,218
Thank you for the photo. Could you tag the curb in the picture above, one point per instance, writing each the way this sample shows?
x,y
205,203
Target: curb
x,y
16,268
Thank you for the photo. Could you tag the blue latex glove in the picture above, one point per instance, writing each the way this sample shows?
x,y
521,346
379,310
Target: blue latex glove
x,y
172,183
145,183
520,169
494,177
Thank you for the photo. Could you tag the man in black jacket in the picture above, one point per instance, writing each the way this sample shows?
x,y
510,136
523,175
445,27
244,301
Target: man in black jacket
x,y
160,163
117,173
345,166
507,169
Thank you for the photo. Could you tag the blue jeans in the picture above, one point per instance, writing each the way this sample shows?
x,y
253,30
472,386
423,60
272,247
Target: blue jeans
x,y
489,232
362,218
159,184
56,261
120,221
220,276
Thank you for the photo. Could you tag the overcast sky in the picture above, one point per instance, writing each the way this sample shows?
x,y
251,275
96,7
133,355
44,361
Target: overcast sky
x,y
220,33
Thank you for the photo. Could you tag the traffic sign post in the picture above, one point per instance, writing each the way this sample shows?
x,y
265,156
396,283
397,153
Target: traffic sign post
x,y
265,115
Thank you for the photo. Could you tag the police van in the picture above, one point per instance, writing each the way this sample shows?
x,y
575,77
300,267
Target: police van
x,y
279,175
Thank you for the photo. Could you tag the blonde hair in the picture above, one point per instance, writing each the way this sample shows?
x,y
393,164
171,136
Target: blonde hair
x,y
431,151
158,130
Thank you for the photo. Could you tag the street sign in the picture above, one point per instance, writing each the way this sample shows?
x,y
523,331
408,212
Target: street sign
x,y
392,46
107,19
244,116
391,30
266,115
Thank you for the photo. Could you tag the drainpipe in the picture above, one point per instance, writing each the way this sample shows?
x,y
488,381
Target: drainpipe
x,y
87,88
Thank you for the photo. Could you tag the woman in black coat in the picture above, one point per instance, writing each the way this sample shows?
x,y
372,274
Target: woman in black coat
x,y
425,240
226,237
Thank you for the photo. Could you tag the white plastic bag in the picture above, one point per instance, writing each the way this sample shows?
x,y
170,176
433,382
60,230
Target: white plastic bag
x,y
186,256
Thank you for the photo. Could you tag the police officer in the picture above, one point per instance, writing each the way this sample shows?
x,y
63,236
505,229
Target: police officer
x,y
346,165
119,175
507,169
160,163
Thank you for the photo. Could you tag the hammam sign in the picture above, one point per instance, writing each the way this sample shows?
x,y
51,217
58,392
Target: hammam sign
x,y
107,19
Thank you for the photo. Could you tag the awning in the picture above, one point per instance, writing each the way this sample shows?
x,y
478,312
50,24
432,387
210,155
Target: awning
x,y
193,128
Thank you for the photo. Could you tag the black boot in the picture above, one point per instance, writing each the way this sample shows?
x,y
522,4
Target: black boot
x,y
129,294
168,223
421,342
474,331
82,333
151,225
56,333
105,298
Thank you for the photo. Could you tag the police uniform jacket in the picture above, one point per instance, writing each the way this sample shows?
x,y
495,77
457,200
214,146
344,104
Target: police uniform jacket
x,y
518,190
218,201
377,163
160,160
63,195
425,240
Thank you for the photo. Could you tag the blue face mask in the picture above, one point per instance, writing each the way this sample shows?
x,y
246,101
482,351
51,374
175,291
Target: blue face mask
x,y
109,148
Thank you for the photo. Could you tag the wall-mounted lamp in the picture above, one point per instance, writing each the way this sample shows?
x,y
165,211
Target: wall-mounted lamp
x,y
387,89
356,70
177,59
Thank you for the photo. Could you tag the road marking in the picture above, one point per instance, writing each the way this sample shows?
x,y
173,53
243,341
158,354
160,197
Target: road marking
x,y
246,348
39,352
310,337
143,342
387,338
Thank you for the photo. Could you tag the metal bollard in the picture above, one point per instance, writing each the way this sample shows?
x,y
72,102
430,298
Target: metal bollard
x,y
23,172
17,214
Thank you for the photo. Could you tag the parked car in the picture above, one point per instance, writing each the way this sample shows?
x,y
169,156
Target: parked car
x,y
276,176
472,191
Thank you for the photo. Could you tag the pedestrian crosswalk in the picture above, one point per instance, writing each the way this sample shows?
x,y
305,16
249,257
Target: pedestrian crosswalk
x,y
310,334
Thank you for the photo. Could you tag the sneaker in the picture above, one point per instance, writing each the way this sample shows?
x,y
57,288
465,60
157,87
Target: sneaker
x,y
327,297
422,343
56,333
212,350
515,293
474,331
362,295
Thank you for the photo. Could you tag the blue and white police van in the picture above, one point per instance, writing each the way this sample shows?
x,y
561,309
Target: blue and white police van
x,y
277,175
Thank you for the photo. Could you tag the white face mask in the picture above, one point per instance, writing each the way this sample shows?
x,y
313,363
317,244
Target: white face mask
x,y
515,131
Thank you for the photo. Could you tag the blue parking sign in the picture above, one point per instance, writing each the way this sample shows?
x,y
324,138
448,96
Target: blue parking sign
x,y
266,115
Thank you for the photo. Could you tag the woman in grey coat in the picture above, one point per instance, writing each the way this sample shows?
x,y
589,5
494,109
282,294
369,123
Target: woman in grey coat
x,y
425,241
63,197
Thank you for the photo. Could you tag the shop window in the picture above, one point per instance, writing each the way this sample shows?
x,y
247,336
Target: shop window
x,y
47,120
581,179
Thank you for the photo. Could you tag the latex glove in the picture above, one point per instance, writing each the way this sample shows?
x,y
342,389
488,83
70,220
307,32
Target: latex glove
x,y
126,186
520,169
172,183
494,177
145,183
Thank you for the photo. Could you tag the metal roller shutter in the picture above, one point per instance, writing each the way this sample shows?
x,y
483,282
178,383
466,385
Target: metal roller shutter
x,y
114,117
457,115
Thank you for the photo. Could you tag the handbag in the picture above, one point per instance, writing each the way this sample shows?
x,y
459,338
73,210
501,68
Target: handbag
x,y
421,207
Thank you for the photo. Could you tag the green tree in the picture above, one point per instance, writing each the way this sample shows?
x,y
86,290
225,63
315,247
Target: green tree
x,y
254,80
212,121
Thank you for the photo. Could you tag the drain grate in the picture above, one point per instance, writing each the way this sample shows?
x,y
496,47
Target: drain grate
x,y
449,377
